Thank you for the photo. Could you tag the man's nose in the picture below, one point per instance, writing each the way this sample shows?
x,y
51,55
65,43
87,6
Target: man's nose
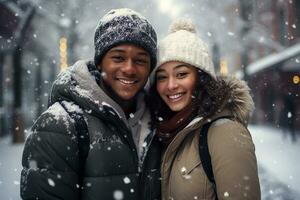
x,y
129,67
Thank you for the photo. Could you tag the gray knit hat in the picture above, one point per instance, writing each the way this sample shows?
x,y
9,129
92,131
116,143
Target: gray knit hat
x,y
124,26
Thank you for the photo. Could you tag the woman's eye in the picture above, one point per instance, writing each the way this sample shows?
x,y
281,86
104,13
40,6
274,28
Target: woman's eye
x,y
160,77
182,74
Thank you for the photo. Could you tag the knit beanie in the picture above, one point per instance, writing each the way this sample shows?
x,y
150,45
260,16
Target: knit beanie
x,y
183,44
124,26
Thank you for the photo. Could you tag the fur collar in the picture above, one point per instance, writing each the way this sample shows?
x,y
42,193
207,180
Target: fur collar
x,y
238,101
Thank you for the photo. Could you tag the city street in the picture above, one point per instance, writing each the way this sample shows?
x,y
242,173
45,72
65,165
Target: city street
x,y
243,55
277,157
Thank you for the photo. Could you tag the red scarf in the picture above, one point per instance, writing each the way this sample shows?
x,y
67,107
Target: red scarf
x,y
167,130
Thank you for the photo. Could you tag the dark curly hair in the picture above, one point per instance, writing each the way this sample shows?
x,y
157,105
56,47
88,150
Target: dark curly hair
x,y
207,97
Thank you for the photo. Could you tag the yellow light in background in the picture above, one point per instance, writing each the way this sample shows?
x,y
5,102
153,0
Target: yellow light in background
x,y
296,79
223,66
63,52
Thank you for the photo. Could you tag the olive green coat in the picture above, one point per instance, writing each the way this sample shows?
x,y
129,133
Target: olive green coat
x,y
230,146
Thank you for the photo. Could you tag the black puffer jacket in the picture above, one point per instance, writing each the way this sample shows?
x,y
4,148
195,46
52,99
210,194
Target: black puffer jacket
x,y
116,166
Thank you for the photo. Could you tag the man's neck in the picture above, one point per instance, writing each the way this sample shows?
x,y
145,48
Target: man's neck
x,y
128,106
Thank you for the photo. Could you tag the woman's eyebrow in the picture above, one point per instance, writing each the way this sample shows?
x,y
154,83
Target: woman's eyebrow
x,y
182,65
159,70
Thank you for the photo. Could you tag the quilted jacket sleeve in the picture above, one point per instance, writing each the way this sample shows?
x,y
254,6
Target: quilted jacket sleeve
x,y
234,161
50,158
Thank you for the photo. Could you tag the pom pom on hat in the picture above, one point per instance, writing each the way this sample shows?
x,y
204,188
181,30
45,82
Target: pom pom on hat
x,y
182,24
184,45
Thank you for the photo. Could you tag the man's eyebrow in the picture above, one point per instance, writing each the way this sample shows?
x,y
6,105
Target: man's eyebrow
x,y
116,50
123,51
143,53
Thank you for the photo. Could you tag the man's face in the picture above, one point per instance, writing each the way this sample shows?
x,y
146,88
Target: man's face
x,y
125,69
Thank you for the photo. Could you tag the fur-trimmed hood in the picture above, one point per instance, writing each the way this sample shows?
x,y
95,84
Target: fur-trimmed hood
x,y
238,99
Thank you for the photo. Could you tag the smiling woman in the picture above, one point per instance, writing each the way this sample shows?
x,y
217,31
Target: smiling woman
x,y
192,107
176,82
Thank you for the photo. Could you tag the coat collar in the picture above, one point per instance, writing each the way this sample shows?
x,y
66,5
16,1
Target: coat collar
x,y
78,85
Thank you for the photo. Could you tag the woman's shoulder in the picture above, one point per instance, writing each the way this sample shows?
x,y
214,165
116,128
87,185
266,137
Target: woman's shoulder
x,y
227,126
228,133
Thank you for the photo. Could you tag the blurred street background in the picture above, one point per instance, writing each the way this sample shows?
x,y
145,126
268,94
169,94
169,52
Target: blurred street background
x,y
256,40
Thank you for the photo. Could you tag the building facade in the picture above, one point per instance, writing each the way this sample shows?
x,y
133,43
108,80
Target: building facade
x,y
272,68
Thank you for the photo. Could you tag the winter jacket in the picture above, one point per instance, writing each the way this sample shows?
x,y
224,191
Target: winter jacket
x,y
115,167
231,149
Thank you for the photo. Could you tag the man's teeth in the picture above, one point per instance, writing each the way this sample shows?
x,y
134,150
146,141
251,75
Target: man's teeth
x,y
175,96
126,81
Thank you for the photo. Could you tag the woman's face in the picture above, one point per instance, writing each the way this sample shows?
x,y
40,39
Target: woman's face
x,y
175,83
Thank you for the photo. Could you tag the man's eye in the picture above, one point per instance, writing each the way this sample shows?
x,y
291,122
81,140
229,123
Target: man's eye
x,y
141,61
117,58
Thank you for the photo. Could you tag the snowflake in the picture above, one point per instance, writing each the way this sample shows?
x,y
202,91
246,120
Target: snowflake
x,y
226,194
118,195
126,180
51,182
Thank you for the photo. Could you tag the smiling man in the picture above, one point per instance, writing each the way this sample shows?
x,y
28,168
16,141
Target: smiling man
x,y
93,142
125,70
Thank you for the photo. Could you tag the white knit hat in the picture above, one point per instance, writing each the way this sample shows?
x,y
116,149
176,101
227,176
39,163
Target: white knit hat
x,y
183,44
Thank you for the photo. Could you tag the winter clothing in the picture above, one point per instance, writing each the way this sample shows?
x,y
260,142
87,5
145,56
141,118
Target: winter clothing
x,y
230,144
231,149
183,44
169,129
114,167
122,26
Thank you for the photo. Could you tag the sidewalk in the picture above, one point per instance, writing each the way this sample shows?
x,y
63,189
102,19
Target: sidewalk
x,y
279,157
10,169
279,170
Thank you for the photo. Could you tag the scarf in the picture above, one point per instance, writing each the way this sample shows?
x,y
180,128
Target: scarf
x,y
168,129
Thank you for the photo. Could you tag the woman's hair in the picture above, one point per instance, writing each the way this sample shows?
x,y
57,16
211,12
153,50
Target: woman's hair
x,y
207,97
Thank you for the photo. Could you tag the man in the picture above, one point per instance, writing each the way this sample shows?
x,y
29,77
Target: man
x,y
93,142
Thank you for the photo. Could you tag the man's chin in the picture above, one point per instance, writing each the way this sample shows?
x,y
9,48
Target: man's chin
x,y
127,97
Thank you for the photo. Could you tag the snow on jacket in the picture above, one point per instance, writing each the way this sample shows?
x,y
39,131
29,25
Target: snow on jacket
x,y
115,167
231,149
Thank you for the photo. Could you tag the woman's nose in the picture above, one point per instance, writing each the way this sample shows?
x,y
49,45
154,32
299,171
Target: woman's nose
x,y
172,84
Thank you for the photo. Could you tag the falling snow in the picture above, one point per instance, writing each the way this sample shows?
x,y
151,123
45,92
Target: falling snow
x,y
230,33
120,12
126,180
118,195
51,182
9,166
226,194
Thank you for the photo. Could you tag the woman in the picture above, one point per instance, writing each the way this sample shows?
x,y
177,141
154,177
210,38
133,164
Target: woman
x,y
186,95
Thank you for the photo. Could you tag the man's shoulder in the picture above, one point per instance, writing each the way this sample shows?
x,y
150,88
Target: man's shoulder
x,y
54,119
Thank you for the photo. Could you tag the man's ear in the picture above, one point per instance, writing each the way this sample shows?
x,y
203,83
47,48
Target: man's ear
x,y
98,66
